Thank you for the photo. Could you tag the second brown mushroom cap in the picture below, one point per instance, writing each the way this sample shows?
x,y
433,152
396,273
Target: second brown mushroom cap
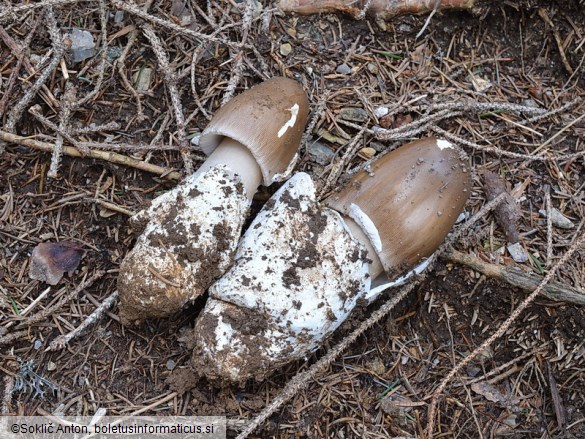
x,y
408,200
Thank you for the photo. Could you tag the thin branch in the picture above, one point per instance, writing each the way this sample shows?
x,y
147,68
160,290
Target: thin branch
x,y
62,341
42,315
102,155
498,151
15,10
21,55
103,61
526,281
67,101
133,9
58,49
171,83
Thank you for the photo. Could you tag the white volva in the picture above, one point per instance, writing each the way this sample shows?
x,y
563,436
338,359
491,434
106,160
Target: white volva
x,y
279,301
185,227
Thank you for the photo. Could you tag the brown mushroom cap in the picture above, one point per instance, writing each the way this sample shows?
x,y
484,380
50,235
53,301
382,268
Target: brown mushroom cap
x,y
413,198
268,119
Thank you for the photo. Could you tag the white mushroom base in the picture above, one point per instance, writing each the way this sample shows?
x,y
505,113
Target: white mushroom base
x,y
188,242
298,273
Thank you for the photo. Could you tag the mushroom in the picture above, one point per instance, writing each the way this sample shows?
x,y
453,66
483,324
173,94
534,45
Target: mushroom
x,y
302,266
189,234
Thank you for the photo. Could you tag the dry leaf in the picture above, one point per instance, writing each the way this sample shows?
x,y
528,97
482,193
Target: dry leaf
x,y
50,260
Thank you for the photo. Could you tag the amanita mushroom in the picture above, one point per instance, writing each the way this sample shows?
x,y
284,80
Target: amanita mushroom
x,y
190,233
302,266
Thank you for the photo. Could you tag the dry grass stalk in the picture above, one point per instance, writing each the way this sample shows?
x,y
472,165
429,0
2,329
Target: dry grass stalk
x,y
497,334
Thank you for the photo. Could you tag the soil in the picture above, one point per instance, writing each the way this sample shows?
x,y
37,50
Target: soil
x,y
382,385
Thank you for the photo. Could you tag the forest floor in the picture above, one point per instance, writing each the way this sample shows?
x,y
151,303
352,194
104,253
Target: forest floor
x,y
506,82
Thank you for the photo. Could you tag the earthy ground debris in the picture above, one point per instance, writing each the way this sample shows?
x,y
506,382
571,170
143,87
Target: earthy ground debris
x,y
506,83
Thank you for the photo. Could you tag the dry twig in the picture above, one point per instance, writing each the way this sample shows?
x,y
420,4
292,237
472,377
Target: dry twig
x,y
517,278
42,315
102,155
171,82
62,341
58,49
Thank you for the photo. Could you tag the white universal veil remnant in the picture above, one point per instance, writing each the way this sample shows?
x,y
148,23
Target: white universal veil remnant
x,y
302,266
189,235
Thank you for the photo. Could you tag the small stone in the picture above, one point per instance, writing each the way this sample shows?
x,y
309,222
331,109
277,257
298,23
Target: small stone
x,y
378,146
343,69
196,139
373,68
353,114
376,366
530,103
320,153
285,49
517,252
331,137
142,79
171,365
463,216
558,219
479,84
368,152
381,111
82,45
51,366
473,371
37,344
119,17
113,53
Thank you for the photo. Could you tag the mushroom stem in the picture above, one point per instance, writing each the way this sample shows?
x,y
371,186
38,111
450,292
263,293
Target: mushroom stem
x,y
240,160
375,267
